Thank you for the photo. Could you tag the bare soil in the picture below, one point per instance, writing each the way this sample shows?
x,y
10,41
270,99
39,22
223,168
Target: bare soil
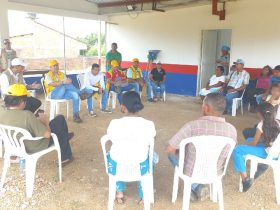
x,y
85,183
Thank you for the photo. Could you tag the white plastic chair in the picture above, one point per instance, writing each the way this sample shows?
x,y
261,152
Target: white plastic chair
x,y
273,160
164,94
236,102
208,150
14,138
54,103
130,172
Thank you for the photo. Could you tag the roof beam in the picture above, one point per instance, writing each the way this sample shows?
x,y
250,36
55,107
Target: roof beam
x,y
123,3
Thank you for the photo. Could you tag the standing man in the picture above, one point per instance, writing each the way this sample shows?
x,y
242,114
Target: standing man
x,y
6,56
94,84
157,78
58,86
236,85
134,75
113,54
211,123
224,59
14,75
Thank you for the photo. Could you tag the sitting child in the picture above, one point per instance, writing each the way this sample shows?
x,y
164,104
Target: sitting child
x,y
274,98
266,133
130,136
215,82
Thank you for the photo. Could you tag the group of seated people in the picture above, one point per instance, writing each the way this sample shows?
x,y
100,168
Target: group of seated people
x,y
259,139
235,83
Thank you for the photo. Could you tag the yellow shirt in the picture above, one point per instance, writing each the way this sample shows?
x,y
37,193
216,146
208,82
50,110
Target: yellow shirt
x,y
50,77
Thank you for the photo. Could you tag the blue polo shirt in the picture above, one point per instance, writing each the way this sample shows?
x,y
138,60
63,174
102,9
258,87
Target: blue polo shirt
x,y
274,80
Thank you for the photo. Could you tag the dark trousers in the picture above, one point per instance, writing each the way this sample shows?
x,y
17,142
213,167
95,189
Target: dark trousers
x,y
59,126
251,95
32,104
249,132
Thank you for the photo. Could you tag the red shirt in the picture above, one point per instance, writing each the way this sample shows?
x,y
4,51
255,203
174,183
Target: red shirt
x,y
115,73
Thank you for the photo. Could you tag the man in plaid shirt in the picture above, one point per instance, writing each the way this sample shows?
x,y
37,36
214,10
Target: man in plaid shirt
x,y
210,124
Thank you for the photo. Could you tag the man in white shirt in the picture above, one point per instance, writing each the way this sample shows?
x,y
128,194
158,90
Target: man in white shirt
x,y
94,84
14,75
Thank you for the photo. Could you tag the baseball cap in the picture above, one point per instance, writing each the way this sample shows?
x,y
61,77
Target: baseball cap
x,y
225,48
114,63
17,90
158,62
239,61
135,60
53,62
18,62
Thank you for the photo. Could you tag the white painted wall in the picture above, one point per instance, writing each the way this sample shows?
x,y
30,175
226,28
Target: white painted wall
x,y
4,26
254,23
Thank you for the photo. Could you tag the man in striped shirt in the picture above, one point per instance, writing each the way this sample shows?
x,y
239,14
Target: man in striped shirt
x,y
211,123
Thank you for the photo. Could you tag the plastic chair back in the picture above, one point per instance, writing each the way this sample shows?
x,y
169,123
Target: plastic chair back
x,y
80,79
208,150
274,151
44,87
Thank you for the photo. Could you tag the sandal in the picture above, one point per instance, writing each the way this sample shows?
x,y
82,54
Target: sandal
x,y
120,198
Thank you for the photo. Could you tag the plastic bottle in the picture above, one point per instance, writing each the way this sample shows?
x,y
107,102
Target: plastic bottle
x,y
22,165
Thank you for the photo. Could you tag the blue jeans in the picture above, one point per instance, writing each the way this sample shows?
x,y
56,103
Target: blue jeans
x,y
158,88
149,89
125,88
136,87
240,152
120,186
229,97
174,159
259,99
67,91
90,99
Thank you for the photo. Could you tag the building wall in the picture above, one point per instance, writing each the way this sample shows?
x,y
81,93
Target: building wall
x,y
177,33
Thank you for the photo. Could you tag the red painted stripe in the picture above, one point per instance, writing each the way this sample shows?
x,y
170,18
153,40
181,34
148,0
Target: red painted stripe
x,y
254,72
172,68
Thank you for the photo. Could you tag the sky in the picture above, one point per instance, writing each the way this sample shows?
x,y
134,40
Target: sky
x,y
19,24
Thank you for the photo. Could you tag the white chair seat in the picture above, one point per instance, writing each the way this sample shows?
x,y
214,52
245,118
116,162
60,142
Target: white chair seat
x,y
236,102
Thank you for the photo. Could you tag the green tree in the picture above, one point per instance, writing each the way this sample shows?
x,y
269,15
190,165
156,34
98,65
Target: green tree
x,y
91,41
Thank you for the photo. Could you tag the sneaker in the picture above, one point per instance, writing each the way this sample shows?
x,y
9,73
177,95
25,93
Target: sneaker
x,y
202,192
84,96
92,114
77,119
247,183
106,111
151,100
261,169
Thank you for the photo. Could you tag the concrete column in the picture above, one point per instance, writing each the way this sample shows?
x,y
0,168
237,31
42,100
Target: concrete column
x,y
4,26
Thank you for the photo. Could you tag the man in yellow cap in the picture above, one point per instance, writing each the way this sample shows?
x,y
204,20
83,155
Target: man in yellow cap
x,y
134,75
13,114
116,80
14,75
58,86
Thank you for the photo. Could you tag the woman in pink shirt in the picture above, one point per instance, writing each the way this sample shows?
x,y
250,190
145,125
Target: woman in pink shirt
x,y
261,87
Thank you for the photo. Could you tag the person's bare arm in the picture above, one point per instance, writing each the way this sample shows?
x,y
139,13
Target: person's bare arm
x,y
219,84
256,139
243,87
45,120
170,150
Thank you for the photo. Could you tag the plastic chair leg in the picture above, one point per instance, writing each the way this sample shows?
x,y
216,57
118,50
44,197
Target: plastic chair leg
x,y
114,100
220,194
151,189
146,193
164,96
59,165
276,172
30,169
57,108
67,109
234,107
52,109
253,168
187,195
214,192
1,147
240,185
175,185
112,193
4,172
241,106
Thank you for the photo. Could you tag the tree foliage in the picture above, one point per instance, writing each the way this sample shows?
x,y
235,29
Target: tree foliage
x,y
91,41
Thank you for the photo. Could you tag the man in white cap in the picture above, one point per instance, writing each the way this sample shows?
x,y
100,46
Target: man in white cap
x,y
237,83
7,55
14,75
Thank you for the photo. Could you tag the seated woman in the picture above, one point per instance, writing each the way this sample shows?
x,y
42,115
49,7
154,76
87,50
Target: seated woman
x,y
215,82
130,137
261,87
267,131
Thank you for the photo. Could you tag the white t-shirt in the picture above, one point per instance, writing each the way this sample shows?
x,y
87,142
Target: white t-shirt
x,y
90,79
215,80
130,138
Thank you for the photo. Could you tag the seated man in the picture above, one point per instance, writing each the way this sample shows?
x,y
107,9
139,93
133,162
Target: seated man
x,y
236,84
14,75
157,78
134,75
212,123
116,80
128,141
13,114
60,87
94,83
215,83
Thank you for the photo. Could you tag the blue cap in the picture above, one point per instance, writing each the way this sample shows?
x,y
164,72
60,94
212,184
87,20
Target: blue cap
x,y
239,61
225,48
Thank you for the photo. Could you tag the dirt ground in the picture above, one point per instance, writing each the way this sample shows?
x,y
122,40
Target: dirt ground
x,y
85,183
